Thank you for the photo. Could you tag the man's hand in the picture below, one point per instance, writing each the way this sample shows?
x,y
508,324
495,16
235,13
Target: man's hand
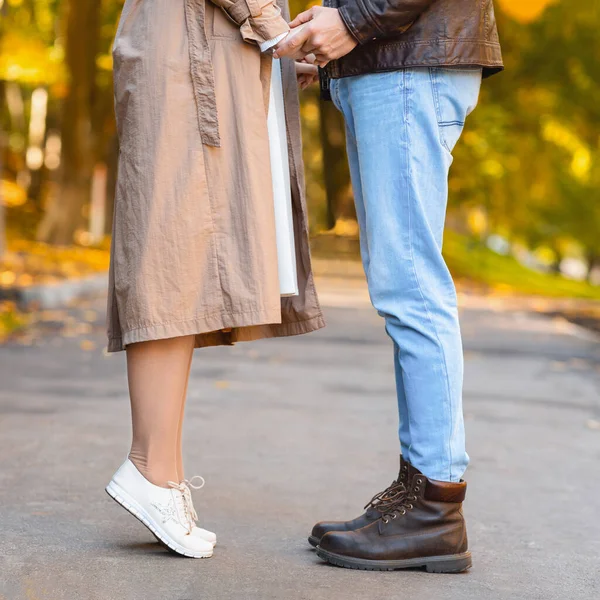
x,y
322,32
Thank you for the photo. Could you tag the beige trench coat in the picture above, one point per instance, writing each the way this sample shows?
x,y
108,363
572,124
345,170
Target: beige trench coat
x,y
193,248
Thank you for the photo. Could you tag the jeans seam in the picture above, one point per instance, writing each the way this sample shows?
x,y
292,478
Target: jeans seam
x,y
397,365
332,92
438,110
335,87
451,123
406,74
347,117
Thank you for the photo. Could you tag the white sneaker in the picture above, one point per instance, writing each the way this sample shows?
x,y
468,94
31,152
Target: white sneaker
x,y
205,534
186,484
164,511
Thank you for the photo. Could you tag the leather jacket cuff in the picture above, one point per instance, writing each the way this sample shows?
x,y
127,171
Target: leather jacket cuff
x,y
358,21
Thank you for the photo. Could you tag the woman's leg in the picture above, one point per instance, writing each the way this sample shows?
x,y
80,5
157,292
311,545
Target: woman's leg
x,y
180,471
148,484
158,372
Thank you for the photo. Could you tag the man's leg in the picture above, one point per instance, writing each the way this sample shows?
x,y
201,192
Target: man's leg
x,y
404,126
341,101
401,127
399,484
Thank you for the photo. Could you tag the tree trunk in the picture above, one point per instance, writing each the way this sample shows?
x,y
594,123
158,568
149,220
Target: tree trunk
x,y
64,215
558,258
2,212
593,261
340,201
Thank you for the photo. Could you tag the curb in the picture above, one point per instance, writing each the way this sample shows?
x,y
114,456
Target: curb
x,y
55,295
60,294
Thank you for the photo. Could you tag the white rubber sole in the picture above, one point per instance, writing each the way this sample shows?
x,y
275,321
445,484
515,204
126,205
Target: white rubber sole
x,y
119,495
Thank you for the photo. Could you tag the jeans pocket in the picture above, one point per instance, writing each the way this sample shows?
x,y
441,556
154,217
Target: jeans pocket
x,y
455,94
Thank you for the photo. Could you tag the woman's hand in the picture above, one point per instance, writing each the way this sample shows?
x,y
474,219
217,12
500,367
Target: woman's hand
x,y
307,72
298,54
320,30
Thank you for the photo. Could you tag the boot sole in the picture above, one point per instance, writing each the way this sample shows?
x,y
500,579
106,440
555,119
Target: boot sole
x,y
452,563
313,541
121,497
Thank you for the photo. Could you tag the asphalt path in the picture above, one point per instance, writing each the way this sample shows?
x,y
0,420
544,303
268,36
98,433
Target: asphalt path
x,y
287,432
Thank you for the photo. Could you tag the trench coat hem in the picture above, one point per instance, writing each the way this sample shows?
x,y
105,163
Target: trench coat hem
x,y
259,332
208,329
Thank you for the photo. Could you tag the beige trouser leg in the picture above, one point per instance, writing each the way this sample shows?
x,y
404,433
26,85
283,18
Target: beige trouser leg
x,y
158,373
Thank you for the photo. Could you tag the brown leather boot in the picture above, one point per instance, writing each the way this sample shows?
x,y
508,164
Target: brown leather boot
x,y
378,503
423,528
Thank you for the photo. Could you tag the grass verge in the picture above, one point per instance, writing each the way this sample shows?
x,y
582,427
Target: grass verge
x,y
474,263
475,267
10,319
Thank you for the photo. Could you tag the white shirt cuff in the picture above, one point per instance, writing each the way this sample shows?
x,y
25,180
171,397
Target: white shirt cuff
x,y
273,42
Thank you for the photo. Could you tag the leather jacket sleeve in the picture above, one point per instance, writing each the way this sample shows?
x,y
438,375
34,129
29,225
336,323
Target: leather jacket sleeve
x,y
372,19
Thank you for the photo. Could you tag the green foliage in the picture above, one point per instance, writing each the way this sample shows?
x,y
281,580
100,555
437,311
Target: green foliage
x,y
10,319
470,260
31,50
527,167
530,154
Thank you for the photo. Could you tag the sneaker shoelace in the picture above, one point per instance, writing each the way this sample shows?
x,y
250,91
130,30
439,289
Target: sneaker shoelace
x,y
186,504
188,485
183,501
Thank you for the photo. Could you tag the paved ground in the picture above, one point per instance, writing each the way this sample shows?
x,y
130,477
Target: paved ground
x,y
288,432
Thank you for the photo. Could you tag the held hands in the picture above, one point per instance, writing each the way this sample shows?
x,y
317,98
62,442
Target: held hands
x,y
320,31
306,71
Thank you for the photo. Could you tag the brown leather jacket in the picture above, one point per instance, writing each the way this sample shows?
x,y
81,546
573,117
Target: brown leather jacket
x,y
393,34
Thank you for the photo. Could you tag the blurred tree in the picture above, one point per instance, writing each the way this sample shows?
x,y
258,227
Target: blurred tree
x,y
64,212
104,122
336,173
530,151
2,211
339,215
526,168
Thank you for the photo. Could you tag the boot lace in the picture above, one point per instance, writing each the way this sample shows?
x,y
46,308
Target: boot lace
x,y
387,497
401,504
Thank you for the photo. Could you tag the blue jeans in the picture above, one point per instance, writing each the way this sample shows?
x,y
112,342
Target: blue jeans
x,y
401,127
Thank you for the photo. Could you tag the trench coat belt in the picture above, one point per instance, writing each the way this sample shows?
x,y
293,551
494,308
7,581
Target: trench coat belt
x,y
203,79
